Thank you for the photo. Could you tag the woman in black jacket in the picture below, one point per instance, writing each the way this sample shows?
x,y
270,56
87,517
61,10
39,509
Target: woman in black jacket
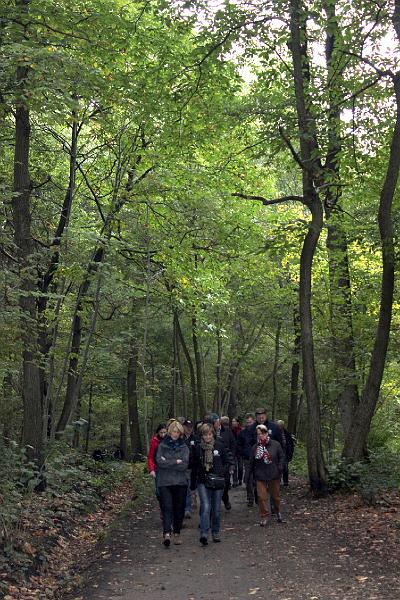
x,y
172,460
211,462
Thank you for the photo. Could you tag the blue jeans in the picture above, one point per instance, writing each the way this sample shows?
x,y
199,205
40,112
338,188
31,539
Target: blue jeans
x,y
210,509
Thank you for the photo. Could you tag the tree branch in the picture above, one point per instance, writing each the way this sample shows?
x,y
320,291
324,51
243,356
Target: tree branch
x,y
267,202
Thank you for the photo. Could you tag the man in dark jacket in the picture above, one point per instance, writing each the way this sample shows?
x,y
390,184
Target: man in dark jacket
x,y
226,436
273,430
288,449
244,444
267,461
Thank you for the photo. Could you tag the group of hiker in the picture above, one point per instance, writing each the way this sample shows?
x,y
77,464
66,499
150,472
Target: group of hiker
x,y
209,458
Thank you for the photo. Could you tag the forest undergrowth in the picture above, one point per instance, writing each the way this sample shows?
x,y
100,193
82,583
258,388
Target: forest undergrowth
x,y
45,535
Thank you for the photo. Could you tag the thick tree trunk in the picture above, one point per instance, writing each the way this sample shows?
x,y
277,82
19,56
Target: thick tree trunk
x,y
294,377
133,410
355,442
21,208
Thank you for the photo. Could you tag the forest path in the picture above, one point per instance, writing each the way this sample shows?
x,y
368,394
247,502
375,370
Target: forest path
x,y
319,553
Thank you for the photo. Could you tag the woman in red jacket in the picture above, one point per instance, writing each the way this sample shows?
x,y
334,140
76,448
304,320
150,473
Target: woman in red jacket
x,y
155,440
160,434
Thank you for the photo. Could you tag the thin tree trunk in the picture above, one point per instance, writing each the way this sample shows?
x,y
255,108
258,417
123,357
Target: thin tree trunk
x,y
89,424
76,437
191,368
199,369
275,369
355,442
294,378
172,405
74,377
338,259
180,371
123,438
309,152
132,395
218,371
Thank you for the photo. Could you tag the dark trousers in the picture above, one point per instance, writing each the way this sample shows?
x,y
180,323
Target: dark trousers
x,y
238,474
225,495
173,499
248,479
285,474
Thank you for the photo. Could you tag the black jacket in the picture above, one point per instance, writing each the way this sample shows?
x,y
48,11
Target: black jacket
x,y
273,470
245,442
287,445
222,462
229,440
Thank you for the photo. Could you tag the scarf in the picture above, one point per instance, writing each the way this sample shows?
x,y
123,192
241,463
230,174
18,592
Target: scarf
x,y
208,454
262,452
174,444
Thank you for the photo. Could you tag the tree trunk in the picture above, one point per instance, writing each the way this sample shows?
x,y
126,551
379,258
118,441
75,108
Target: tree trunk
x,y
181,375
218,371
174,373
47,335
72,380
199,369
338,260
123,438
355,442
191,368
294,378
133,411
21,209
275,370
89,419
309,156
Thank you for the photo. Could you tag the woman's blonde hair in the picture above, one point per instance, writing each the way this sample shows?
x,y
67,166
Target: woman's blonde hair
x,y
175,426
206,428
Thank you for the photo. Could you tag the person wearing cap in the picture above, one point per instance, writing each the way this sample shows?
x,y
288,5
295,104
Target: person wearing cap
x,y
228,439
267,462
189,440
273,430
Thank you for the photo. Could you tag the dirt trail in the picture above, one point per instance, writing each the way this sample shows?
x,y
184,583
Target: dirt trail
x,y
306,558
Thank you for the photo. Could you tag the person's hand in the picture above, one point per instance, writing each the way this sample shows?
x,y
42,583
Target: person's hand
x,y
163,458
178,461
152,474
231,471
